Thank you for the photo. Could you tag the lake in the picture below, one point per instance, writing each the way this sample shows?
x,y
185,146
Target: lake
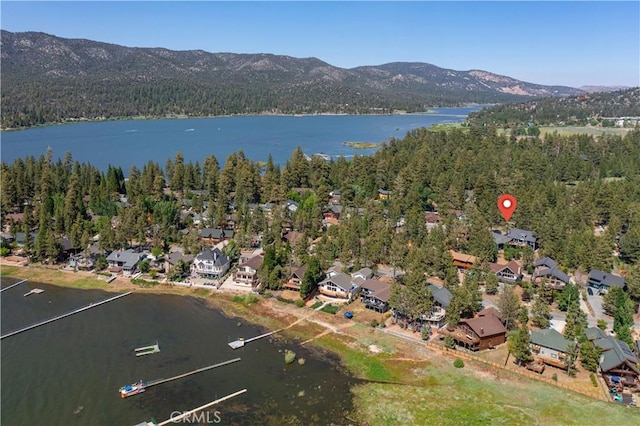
x,y
68,372
134,142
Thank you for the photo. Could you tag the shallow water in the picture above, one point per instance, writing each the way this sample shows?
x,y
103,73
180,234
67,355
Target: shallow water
x,y
68,372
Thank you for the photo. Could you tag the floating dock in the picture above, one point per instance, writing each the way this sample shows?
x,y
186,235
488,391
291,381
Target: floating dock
x,y
91,305
241,342
147,350
180,376
12,285
186,414
34,291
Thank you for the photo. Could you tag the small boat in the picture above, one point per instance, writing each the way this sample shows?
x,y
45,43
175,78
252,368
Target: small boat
x,y
133,389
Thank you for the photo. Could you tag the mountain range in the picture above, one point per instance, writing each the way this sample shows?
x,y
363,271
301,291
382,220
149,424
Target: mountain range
x,y
51,79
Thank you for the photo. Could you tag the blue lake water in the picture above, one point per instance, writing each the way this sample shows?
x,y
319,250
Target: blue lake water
x,y
134,142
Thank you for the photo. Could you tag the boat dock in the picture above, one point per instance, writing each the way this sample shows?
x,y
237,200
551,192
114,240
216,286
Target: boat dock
x,y
91,305
12,285
147,350
180,376
34,291
241,342
186,414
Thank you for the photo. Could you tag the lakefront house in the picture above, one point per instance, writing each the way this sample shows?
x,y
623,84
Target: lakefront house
x,y
210,263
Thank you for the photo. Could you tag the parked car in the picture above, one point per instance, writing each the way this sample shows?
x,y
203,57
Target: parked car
x,y
348,315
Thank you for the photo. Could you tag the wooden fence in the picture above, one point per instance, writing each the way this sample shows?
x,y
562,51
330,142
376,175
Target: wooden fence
x,y
517,370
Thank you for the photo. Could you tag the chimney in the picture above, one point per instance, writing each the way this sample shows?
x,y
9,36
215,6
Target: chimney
x,y
481,330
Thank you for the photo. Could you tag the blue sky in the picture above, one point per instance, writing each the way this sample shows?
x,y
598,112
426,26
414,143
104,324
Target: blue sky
x,y
565,43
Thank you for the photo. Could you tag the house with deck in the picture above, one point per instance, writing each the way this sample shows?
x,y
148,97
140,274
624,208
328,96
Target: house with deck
x,y
210,263
521,238
603,281
462,261
247,271
509,274
338,285
215,235
546,270
479,333
618,364
295,280
124,261
375,295
441,299
550,347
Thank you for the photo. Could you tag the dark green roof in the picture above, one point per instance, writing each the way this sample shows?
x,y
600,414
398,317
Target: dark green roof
x,y
550,338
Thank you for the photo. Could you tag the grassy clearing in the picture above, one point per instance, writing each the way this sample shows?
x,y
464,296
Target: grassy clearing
x,y
360,363
57,277
459,396
581,130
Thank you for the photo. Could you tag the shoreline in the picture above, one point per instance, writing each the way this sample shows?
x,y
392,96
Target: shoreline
x,y
384,361
431,111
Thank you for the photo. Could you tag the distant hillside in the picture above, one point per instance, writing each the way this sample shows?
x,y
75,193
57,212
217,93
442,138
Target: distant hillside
x,y
597,89
52,79
593,108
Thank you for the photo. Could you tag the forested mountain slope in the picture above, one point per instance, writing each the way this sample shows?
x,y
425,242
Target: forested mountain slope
x,y
592,108
52,79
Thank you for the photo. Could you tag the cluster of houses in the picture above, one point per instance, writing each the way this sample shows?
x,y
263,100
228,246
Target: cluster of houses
x,y
618,363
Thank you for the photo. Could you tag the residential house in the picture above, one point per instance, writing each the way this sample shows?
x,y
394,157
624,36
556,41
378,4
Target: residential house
x,y
247,272
479,333
215,235
375,295
172,259
124,261
334,197
80,262
522,238
603,281
509,273
293,237
499,238
441,299
461,260
338,285
21,238
291,206
210,263
295,280
546,270
362,275
383,194
66,248
618,364
594,333
333,211
550,347
431,220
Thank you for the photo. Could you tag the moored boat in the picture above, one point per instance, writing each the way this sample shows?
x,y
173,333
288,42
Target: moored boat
x,y
132,389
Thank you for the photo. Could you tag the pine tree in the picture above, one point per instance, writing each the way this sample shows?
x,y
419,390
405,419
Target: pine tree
x,y
509,306
518,344
540,312
623,319
576,321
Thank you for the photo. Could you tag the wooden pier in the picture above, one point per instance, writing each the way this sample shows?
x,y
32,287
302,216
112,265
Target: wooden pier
x,y
12,285
147,350
92,305
241,342
34,291
180,376
186,414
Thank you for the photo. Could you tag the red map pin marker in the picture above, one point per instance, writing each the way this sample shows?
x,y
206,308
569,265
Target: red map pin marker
x,y
507,205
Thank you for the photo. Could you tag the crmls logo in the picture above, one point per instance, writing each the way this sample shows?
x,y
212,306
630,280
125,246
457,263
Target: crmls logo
x,y
196,418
